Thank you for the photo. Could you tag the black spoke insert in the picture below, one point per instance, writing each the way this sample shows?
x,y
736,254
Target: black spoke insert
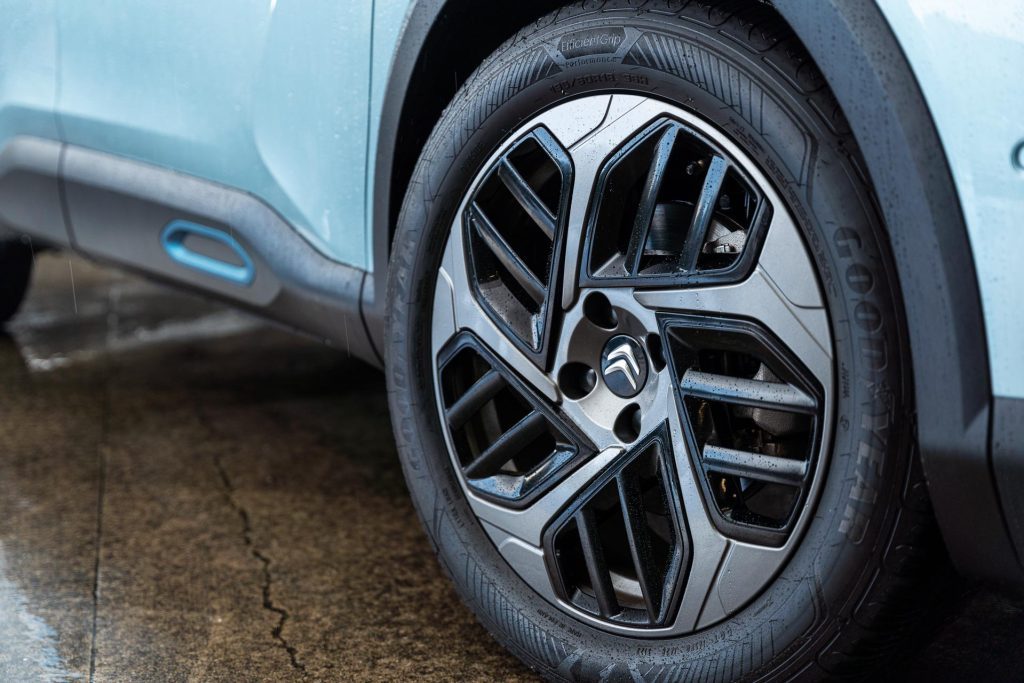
x,y
752,418
671,207
509,442
514,234
621,551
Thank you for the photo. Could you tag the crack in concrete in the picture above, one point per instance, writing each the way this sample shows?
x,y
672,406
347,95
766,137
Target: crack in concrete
x,y
265,563
268,579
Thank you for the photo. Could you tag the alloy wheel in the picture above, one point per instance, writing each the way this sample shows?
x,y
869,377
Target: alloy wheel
x,y
633,365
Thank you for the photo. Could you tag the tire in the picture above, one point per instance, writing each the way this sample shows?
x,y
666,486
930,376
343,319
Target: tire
x,y
15,272
867,563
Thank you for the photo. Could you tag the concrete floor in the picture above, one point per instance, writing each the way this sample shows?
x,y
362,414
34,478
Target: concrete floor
x,y
186,494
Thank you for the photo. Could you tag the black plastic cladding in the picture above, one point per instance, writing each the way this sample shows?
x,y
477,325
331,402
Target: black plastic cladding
x,y
679,564
780,360
557,154
735,272
584,448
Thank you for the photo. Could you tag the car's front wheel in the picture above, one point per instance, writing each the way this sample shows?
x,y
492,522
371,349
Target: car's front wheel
x,y
645,357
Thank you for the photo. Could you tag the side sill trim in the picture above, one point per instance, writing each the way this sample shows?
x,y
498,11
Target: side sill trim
x,y
118,210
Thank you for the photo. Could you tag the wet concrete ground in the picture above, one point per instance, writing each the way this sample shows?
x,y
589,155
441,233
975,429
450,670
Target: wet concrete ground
x,y
187,494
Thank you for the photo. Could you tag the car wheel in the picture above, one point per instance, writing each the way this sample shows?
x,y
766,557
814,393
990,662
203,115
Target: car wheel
x,y
646,357
15,272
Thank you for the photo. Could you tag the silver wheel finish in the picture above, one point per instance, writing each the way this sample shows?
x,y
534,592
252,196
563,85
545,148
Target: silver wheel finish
x,y
781,293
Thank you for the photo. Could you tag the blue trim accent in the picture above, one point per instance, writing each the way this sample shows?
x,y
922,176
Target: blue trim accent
x,y
173,240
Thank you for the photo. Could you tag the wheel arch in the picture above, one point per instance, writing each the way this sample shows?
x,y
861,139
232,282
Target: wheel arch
x,y
424,77
862,62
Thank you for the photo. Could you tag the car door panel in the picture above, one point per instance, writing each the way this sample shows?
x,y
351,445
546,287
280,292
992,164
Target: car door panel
x,y
29,151
266,96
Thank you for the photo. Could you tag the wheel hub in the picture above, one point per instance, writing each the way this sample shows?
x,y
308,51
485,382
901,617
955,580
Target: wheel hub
x,y
609,407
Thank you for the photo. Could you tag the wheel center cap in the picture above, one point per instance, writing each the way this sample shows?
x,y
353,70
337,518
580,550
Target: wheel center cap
x,y
624,366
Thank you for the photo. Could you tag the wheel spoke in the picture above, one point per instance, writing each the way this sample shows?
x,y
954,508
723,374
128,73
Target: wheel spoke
x,y
754,465
702,215
748,392
597,567
512,441
455,308
528,524
527,198
709,546
573,121
649,198
634,513
803,330
739,567
482,391
784,259
723,574
627,114
507,256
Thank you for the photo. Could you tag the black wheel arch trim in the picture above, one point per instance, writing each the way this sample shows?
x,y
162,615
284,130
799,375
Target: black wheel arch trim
x,y
1008,462
863,63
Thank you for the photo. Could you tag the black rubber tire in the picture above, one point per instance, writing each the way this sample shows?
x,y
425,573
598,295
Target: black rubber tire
x,y
15,273
870,562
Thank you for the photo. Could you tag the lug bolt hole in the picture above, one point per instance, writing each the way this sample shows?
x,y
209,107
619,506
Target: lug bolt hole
x,y
656,352
627,424
599,311
576,380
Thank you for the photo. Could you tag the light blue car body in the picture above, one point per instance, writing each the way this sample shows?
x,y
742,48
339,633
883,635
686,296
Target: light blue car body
x,y
275,97
968,58
282,99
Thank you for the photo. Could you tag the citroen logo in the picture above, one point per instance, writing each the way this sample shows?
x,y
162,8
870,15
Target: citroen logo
x,y
624,366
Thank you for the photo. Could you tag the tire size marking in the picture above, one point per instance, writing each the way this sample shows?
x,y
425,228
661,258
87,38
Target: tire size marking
x,y
566,85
